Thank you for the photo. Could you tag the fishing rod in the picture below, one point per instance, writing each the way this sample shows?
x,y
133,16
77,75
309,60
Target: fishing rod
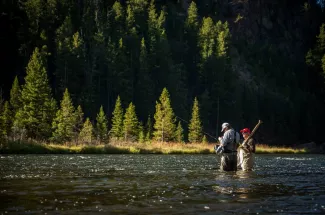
x,y
202,130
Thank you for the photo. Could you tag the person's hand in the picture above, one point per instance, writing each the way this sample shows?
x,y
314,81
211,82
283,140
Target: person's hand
x,y
219,138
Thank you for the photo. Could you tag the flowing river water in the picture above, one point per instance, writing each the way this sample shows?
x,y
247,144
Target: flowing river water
x,y
160,184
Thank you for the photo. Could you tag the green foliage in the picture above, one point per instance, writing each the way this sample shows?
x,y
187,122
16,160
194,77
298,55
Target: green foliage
x,y
179,90
101,125
205,140
164,119
101,49
86,133
123,74
179,133
223,37
149,129
145,85
191,22
195,126
6,119
2,129
38,106
65,121
141,137
117,28
316,56
116,131
207,38
15,96
130,124
70,61
79,120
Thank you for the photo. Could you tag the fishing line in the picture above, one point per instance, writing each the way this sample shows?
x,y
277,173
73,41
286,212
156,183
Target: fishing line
x,y
202,130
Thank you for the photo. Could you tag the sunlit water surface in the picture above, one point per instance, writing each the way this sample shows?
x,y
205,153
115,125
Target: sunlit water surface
x,y
160,184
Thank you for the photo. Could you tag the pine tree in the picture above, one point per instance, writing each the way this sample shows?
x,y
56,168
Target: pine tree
x,y
179,133
148,129
145,85
2,136
130,124
64,122
205,139
123,74
38,106
70,60
191,30
117,27
164,119
116,131
178,90
141,137
101,125
86,133
223,36
15,96
207,39
138,8
130,21
79,121
195,127
6,119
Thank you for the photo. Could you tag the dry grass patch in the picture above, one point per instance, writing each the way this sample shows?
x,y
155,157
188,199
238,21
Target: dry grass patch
x,y
265,149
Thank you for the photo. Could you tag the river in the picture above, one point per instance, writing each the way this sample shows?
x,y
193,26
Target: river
x,y
160,184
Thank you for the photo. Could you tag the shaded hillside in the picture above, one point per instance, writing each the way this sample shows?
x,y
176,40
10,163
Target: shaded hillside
x,y
243,60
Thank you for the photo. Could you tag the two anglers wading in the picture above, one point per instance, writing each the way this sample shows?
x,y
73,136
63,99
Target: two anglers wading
x,y
231,159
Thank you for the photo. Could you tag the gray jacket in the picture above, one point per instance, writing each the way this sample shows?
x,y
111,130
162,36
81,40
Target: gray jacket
x,y
228,140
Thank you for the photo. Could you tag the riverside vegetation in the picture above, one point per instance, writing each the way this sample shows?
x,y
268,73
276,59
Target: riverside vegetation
x,y
136,76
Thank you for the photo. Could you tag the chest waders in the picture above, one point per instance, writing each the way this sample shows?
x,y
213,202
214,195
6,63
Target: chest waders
x,y
229,158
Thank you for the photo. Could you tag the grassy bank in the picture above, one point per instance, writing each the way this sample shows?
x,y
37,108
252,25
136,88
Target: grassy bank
x,y
129,148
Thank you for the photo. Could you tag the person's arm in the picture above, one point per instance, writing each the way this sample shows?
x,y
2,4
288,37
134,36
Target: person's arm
x,y
249,147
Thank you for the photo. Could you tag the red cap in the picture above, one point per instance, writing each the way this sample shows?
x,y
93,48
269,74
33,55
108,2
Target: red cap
x,y
245,130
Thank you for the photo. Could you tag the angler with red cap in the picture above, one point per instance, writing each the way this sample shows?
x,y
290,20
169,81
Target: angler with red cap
x,y
246,151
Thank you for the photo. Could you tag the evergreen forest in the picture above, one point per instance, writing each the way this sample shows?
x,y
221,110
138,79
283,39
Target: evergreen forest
x,y
156,70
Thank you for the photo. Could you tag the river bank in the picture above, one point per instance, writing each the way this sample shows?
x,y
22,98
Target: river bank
x,y
130,148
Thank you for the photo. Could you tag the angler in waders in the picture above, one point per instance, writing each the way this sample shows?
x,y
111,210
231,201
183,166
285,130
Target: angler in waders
x,y
229,148
246,151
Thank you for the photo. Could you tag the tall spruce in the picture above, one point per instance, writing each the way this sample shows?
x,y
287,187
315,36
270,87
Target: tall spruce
x,y
148,129
195,126
70,60
117,19
38,106
191,30
145,85
79,121
123,74
7,119
116,131
15,96
65,120
101,125
141,137
164,119
179,133
130,124
2,136
179,90
86,134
